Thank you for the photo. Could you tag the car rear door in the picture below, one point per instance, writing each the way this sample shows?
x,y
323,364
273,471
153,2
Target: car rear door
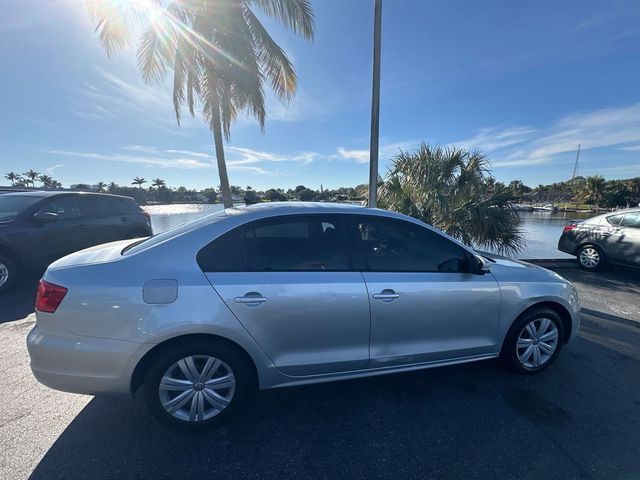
x,y
425,304
104,223
288,281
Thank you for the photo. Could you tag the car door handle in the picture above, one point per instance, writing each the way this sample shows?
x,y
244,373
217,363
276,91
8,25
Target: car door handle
x,y
386,295
251,299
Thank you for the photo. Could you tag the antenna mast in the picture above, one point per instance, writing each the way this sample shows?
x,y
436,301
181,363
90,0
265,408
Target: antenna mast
x,y
575,166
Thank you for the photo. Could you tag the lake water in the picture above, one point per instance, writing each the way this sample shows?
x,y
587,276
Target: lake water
x,y
542,230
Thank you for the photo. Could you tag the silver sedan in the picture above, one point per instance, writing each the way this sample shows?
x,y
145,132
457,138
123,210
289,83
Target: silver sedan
x,y
275,295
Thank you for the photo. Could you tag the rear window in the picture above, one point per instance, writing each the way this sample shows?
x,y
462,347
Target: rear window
x,y
631,220
126,205
13,205
174,232
615,219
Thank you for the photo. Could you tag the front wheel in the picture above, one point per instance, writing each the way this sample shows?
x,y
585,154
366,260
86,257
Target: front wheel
x,y
197,385
533,341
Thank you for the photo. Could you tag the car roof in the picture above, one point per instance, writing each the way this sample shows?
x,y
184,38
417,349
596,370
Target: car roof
x,y
296,207
53,193
623,210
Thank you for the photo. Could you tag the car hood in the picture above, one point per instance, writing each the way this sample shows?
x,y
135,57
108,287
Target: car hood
x,y
509,269
105,252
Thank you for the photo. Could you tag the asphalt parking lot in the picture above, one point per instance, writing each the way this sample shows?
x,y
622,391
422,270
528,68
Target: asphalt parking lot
x,y
578,419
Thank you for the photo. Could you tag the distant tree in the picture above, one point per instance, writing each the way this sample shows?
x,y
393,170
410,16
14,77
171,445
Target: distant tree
x,y
101,186
274,195
210,195
46,181
250,196
236,190
113,187
592,191
306,195
158,182
449,189
31,176
83,186
616,193
56,185
299,188
164,194
138,181
12,177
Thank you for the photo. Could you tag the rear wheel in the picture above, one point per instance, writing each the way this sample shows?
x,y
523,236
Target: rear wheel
x,y
8,273
591,257
197,386
533,341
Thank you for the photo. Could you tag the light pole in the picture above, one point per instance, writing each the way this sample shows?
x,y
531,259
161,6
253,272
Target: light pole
x,y
375,106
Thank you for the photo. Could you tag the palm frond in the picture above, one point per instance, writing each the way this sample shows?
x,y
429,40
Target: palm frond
x,y
297,15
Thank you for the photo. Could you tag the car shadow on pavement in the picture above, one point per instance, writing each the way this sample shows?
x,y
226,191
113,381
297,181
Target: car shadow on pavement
x,y
466,421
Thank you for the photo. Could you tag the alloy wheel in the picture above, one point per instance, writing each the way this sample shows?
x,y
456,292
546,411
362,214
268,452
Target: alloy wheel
x,y
4,274
197,388
589,257
537,342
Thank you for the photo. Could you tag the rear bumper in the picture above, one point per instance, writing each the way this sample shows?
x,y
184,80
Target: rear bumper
x,y
567,244
85,365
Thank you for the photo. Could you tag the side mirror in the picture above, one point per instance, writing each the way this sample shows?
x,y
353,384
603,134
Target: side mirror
x,y
45,217
482,265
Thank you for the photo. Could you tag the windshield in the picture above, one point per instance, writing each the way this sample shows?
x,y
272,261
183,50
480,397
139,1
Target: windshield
x,y
174,232
13,205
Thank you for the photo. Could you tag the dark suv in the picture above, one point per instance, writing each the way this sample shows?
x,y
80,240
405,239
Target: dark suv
x,y
37,228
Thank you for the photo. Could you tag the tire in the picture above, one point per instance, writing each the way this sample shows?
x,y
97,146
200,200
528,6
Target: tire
x,y
520,337
195,394
8,273
591,258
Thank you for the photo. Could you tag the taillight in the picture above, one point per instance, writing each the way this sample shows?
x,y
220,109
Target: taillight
x,y
49,296
568,228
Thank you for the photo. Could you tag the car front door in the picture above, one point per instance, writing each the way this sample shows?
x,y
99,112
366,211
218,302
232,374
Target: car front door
x,y
288,281
425,303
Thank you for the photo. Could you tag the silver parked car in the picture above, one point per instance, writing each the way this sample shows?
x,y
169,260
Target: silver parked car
x,y
285,294
609,238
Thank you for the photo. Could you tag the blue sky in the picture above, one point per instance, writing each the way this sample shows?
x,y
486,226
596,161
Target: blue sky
x,y
524,82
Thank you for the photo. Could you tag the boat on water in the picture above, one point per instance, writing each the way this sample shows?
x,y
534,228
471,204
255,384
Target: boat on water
x,y
545,208
521,207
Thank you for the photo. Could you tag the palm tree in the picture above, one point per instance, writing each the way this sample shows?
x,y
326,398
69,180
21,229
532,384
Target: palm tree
x,y
219,52
31,175
138,181
113,186
46,180
12,177
158,182
448,188
592,190
101,186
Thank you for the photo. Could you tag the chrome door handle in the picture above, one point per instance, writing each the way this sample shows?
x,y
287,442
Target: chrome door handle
x,y
386,295
249,300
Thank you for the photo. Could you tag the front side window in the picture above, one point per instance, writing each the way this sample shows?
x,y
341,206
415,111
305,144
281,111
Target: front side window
x,y
389,245
64,207
631,220
294,243
13,205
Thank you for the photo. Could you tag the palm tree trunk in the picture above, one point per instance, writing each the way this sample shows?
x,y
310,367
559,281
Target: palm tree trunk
x,y
222,166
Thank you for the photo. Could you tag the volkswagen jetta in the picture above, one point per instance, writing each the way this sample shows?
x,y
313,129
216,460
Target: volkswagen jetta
x,y
285,294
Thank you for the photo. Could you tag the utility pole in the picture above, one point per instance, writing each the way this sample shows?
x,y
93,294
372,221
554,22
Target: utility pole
x,y
375,106
575,166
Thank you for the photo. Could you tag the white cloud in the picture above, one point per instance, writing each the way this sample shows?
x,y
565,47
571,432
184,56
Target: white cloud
x,y
181,163
250,156
50,170
524,146
385,151
190,153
